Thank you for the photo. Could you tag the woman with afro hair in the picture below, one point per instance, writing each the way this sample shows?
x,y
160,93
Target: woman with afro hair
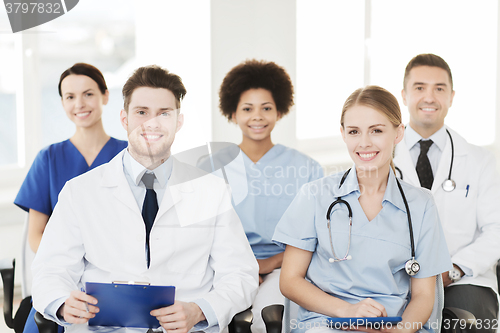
x,y
255,95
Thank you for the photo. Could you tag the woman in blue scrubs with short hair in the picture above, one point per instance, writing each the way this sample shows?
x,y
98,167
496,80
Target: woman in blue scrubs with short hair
x,y
359,270
83,94
255,95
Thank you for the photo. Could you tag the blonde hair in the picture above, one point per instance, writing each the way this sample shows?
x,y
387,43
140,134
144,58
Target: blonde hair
x,y
378,99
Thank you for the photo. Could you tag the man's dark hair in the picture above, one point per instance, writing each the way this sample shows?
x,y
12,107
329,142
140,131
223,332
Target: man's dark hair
x,y
153,77
430,60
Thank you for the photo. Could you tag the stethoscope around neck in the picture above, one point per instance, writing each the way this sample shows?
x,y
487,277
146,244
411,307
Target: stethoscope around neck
x,y
449,184
412,266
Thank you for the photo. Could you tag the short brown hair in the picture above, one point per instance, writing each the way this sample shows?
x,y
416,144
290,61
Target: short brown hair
x,y
153,77
255,74
87,70
430,60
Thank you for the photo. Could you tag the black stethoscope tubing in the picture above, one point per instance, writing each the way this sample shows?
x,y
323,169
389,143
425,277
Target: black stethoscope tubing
x,y
452,154
412,267
451,164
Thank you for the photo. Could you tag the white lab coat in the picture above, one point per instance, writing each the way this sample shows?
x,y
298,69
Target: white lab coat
x,y
471,221
96,234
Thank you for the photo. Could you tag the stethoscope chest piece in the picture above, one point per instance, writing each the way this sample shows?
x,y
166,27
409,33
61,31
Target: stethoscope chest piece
x,y
449,185
412,267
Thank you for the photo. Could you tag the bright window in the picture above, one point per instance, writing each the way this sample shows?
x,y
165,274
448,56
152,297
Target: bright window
x,y
105,39
330,53
9,84
331,61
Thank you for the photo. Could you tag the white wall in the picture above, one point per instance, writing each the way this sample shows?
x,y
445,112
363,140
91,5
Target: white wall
x,y
241,30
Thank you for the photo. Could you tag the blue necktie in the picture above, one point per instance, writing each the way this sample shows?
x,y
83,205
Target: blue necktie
x,y
424,170
149,209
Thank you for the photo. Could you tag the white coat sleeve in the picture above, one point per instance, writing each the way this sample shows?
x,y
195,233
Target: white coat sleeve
x,y
484,251
235,268
58,264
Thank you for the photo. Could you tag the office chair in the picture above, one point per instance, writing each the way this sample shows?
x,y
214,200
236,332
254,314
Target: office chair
x,y
7,268
240,324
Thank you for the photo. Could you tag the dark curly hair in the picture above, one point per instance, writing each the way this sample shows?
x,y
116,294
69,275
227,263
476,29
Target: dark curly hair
x,y
254,74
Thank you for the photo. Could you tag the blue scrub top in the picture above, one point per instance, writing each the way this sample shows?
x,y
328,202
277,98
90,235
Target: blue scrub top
x,y
379,248
262,191
53,167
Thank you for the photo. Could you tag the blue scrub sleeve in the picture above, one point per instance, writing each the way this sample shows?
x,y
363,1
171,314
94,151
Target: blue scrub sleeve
x,y
317,171
35,190
296,226
430,244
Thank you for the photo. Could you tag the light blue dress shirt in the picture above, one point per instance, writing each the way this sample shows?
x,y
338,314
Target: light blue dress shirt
x,y
434,154
133,173
439,138
379,248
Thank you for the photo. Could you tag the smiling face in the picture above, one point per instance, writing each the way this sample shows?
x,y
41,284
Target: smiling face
x,y
428,95
370,138
256,114
151,123
82,100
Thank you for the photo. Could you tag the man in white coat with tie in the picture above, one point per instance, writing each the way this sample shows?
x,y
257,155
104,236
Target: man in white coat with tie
x,y
147,217
465,184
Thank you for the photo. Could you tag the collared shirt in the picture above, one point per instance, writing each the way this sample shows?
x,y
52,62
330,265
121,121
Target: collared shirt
x,y
434,154
379,248
412,139
134,172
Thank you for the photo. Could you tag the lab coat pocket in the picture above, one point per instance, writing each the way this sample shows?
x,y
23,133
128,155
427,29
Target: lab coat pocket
x,y
457,211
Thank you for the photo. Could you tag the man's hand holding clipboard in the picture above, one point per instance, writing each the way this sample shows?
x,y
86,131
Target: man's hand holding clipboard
x,y
180,316
78,308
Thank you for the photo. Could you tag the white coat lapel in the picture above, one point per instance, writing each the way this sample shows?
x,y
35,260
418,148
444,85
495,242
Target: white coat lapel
x,y
114,178
403,161
178,184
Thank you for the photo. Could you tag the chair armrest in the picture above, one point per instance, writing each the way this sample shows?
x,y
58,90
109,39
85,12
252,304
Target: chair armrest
x,y
458,320
273,317
44,325
7,269
498,273
241,322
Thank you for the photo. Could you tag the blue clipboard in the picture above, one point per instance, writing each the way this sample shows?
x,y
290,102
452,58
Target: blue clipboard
x,y
335,322
128,305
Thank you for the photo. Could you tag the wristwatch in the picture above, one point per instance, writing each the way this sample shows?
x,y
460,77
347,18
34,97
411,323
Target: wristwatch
x,y
454,274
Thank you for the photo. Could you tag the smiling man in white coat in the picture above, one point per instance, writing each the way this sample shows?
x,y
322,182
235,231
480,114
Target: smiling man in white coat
x,y
147,217
465,184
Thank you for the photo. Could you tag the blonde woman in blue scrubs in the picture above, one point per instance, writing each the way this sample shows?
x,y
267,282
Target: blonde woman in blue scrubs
x,y
373,281
255,95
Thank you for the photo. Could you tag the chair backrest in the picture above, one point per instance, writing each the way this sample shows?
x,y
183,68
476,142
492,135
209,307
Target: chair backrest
x,y
498,274
27,256
436,317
